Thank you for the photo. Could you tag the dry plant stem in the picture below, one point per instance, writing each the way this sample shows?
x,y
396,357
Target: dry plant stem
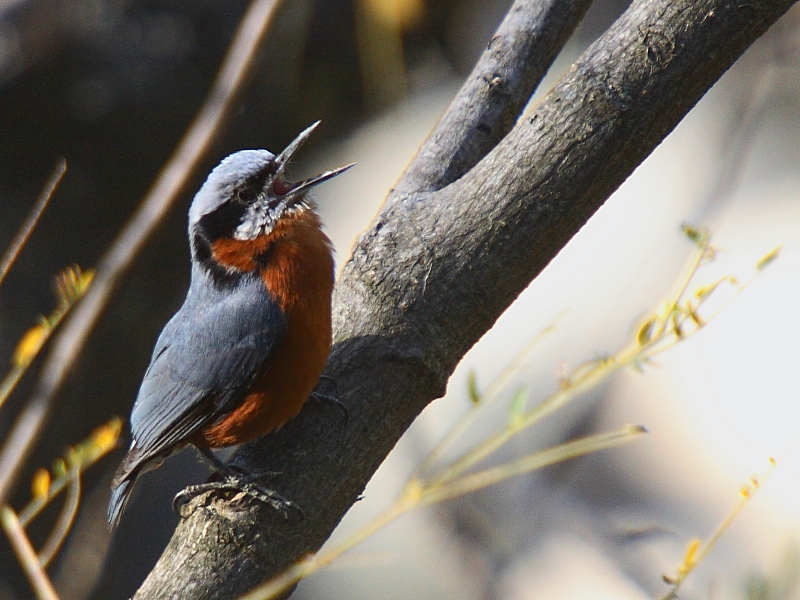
x,y
416,495
19,368
120,255
305,567
492,393
549,406
65,520
38,502
585,379
33,218
746,495
27,555
435,271
439,492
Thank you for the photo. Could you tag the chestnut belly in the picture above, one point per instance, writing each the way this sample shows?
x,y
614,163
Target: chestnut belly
x,y
277,396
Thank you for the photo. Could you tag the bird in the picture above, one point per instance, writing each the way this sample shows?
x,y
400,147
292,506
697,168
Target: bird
x,y
248,345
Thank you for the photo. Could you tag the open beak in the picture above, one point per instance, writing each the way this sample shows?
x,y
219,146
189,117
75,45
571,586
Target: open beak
x,y
294,189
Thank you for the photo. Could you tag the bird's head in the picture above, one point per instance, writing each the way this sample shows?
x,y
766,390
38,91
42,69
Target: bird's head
x,y
247,195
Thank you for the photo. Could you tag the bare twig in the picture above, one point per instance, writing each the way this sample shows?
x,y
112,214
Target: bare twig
x,y
27,555
120,255
72,284
33,218
65,520
417,495
697,551
81,457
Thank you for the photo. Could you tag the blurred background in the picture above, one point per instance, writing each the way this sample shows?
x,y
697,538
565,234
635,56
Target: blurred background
x,y
112,85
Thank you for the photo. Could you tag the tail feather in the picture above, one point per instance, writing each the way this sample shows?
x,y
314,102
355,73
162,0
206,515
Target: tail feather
x,y
119,499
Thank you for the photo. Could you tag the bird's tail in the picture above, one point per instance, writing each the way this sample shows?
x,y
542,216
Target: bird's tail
x,y
119,499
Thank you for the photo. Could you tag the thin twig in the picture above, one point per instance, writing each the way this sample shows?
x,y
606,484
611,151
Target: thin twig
x,y
120,255
65,520
102,441
31,221
698,551
27,555
475,481
303,568
417,495
33,341
491,393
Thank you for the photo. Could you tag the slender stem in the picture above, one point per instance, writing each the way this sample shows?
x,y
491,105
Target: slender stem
x,y
415,495
14,376
542,410
597,372
33,218
305,567
683,283
65,520
746,495
99,448
27,555
532,462
491,394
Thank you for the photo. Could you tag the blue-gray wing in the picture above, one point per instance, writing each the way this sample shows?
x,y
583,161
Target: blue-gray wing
x,y
204,361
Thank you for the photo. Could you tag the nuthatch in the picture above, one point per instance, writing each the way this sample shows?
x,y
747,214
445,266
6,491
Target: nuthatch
x,y
247,347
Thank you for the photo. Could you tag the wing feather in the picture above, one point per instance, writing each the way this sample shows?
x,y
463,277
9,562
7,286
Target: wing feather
x,y
204,361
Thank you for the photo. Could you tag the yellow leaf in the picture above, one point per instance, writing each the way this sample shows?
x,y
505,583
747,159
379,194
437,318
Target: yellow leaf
x,y
690,559
768,258
40,486
698,235
72,283
472,388
517,409
29,346
105,437
690,310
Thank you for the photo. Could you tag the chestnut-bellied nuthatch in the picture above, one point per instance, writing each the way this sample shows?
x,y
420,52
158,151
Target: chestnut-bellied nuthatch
x,y
247,347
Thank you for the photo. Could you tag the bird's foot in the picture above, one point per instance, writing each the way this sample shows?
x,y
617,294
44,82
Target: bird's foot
x,y
327,398
237,482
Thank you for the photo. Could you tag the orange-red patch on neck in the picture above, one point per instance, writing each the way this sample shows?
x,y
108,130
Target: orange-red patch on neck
x,y
299,273
240,254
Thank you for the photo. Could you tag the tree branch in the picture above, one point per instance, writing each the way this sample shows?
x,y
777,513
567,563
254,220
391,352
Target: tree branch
x,y
437,268
488,104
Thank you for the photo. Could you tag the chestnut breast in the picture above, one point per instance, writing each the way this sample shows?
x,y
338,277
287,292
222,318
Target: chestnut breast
x,y
296,264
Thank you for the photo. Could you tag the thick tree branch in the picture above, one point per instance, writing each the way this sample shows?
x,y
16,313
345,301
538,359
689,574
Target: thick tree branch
x,y
437,269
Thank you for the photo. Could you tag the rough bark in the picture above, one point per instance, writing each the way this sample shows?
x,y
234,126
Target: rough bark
x,y
440,264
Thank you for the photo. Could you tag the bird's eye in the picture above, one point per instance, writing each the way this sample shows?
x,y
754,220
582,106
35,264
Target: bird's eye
x,y
245,195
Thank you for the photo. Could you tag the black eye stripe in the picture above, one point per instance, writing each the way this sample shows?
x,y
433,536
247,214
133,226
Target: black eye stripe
x,y
249,190
222,222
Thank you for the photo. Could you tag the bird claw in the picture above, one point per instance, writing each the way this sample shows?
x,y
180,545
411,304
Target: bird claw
x,y
320,397
248,485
